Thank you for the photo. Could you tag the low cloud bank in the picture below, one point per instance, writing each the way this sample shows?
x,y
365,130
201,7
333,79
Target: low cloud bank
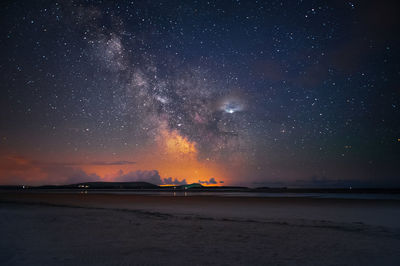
x,y
212,181
151,176
19,170
96,163
170,181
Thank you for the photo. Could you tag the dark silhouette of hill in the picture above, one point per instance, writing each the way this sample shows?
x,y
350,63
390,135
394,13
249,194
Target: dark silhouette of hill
x,y
109,185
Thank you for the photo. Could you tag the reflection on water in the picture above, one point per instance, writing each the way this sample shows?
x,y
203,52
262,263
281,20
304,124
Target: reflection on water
x,y
228,194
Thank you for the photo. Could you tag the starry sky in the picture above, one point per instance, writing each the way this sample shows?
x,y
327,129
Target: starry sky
x,y
253,93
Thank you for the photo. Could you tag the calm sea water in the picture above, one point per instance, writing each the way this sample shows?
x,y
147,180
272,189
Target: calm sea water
x,y
233,194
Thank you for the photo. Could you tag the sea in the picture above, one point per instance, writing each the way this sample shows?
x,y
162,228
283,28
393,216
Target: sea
x,y
366,196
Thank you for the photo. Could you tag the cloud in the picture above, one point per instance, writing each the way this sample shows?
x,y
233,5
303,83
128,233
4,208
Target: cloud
x,y
97,163
73,176
170,181
151,176
16,169
113,163
212,181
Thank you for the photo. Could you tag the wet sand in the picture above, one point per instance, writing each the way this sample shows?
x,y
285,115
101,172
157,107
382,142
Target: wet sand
x,y
106,229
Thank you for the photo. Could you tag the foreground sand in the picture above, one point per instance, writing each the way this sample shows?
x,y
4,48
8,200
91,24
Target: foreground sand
x,y
68,229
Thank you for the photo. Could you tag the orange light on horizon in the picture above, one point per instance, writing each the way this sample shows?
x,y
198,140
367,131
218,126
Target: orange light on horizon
x,y
172,155
176,156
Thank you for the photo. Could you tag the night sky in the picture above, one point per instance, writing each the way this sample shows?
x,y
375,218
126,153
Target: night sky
x,y
254,93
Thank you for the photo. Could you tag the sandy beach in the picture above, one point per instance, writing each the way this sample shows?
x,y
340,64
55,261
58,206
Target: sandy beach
x,y
108,229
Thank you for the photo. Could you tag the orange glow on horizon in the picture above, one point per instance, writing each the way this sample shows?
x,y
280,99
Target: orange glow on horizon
x,y
176,156
171,154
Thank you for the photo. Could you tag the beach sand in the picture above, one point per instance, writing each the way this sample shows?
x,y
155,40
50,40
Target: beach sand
x,y
108,229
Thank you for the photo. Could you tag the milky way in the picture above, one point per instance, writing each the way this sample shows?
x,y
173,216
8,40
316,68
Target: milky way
x,y
248,92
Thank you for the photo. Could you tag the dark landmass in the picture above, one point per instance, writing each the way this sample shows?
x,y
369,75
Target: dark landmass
x,y
195,187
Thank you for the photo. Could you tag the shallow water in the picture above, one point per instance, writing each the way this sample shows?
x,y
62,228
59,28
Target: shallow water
x,y
366,196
